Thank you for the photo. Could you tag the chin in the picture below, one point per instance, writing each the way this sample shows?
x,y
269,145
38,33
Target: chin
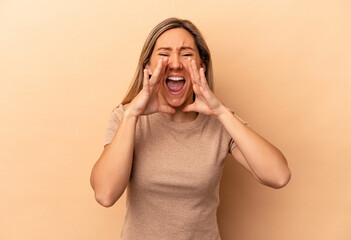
x,y
175,102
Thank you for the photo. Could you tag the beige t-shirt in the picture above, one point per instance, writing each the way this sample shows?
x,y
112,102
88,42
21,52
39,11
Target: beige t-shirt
x,y
173,191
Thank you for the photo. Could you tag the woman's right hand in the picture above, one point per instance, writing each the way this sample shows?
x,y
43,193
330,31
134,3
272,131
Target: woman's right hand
x,y
146,102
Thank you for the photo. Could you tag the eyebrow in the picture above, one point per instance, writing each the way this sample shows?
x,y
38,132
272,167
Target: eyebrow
x,y
170,49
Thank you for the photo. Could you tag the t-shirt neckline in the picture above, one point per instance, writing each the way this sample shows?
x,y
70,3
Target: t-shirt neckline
x,y
178,125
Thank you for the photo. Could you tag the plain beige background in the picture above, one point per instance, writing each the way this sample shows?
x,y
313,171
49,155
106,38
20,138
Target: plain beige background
x,y
283,66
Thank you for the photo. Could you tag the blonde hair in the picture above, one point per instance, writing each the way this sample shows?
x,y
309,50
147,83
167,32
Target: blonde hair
x,y
148,48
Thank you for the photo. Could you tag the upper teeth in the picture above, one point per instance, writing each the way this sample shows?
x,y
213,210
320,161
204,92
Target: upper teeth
x,y
176,78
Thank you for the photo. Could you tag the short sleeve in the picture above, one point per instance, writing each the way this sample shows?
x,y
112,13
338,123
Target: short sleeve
x,y
232,144
113,123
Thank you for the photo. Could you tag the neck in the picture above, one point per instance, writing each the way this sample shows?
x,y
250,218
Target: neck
x,y
179,115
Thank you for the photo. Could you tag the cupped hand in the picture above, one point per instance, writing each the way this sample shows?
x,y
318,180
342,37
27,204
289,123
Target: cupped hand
x,y
205,102
146,102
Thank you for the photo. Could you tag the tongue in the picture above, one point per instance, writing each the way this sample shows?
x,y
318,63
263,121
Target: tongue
x,y
175,86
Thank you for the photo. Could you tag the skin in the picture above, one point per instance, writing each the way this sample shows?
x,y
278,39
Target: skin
x,y
110,174
173,52
178,48
263,160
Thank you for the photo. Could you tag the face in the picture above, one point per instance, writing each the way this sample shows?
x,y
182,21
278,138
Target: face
x,y
179,46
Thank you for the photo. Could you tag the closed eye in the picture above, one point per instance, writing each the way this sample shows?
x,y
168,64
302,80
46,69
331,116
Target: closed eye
x,y
163,54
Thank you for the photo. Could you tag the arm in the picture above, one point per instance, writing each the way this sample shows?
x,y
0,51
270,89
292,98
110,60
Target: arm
x,y
110,174
256,154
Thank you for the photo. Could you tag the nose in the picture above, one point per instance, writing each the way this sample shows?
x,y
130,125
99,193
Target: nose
x,y
174,62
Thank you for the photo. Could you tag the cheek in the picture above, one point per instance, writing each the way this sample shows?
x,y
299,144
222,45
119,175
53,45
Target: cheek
x,y
153,62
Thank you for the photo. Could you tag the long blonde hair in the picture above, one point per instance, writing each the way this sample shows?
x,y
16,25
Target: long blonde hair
x,y
149,45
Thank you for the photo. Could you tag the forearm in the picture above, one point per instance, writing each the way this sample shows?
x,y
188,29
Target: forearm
x,y
266,161
111,173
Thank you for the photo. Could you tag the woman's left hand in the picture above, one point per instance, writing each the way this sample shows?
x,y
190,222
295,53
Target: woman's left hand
x,y
205,102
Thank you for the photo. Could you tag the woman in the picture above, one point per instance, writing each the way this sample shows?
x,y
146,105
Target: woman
x,y
168,139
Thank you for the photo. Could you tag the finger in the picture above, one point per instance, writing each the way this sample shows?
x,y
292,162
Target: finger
x,y
196,89
161,70
195,85
157,72
162,74
190,71
196,72
203,79
157,87
146,79
164,68
189,108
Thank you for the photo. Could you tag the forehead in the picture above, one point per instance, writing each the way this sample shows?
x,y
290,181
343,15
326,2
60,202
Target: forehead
x,y
175,39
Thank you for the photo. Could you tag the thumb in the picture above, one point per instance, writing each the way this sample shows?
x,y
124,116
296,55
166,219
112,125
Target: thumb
x,y
189,108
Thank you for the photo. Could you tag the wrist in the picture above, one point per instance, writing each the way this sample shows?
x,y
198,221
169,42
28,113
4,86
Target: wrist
x,y
128,115
222,111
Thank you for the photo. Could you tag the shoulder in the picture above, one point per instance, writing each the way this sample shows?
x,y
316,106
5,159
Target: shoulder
x,y
117,113
119,110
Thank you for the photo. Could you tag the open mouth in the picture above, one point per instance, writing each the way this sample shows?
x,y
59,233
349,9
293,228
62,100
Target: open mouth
x,y
175,84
